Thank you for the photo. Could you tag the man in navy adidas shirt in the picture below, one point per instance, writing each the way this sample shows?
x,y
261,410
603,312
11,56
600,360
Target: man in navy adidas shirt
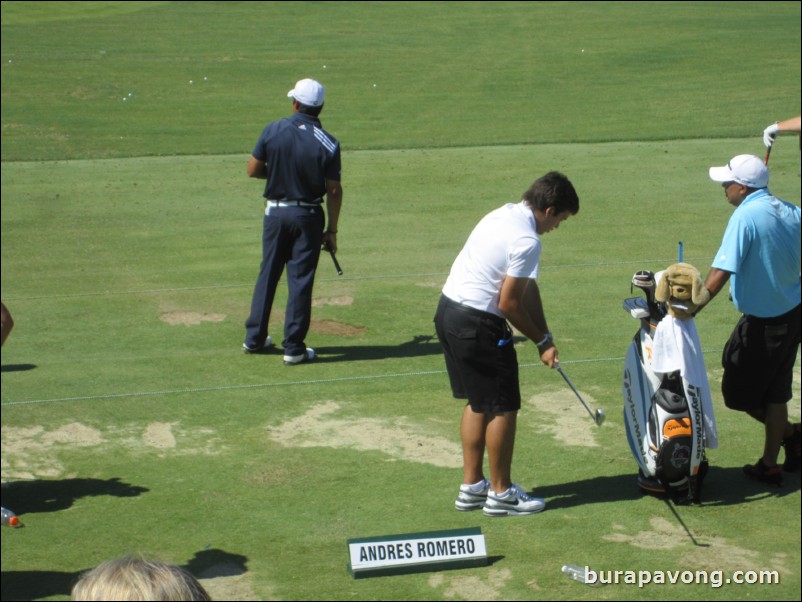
x,y
301,163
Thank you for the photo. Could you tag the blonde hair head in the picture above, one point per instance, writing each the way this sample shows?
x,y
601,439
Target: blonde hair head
x,y
131,578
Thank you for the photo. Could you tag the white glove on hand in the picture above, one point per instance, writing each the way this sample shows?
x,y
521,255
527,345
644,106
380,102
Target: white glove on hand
x,y
769,134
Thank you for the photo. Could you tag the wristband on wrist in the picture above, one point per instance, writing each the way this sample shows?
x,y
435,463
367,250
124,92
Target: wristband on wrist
x,y
546,339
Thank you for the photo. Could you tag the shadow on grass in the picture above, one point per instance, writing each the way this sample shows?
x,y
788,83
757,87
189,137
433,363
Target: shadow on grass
x,y
209,564
35,585
26,497
727,485
419,346
723,486
17,367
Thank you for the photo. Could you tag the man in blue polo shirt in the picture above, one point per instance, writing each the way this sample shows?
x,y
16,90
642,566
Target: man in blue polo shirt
x,y
301,163
760,251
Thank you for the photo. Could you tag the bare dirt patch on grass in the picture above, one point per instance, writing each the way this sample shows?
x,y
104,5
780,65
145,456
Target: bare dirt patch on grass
x,y
709,553
324,425
564,418
34,452
472,587
189,318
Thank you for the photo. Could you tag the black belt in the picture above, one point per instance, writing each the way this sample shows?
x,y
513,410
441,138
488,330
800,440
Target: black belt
x,y
781,319
448,302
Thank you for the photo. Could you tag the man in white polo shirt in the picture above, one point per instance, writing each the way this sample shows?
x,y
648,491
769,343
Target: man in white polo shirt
x,y
493,281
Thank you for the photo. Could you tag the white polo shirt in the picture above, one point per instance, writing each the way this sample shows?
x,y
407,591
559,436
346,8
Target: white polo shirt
x,y
504,243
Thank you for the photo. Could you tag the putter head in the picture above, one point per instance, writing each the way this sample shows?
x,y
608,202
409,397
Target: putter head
x,y
600,416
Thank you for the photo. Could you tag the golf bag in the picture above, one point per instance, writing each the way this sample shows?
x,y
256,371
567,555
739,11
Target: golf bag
x,y
662,411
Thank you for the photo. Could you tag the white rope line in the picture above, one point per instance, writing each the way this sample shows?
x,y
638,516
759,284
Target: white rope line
x,y
284,384
223,388
155,291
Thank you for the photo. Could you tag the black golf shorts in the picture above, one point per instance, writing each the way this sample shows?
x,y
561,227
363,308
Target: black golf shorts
x,y
758,361
480,357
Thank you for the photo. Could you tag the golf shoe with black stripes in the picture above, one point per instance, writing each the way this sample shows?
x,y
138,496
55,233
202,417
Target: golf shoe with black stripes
x,y
472,497
513,502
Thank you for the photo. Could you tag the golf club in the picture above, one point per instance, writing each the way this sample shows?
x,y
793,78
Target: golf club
x,y
598,417
334,259
684,526
644,280
768,152
336,263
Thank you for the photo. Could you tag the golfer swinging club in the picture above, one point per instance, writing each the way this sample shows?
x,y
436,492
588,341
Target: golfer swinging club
x,y
493,281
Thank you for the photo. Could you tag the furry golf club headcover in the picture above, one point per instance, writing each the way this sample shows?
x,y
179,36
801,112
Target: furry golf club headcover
x,y
681,288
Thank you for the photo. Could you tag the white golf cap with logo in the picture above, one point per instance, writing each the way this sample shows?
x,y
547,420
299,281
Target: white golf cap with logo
x,y
743,169
308,92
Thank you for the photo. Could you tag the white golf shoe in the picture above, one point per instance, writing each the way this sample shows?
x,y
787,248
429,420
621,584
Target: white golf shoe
x,y
294,360
472,497
267,345
515,501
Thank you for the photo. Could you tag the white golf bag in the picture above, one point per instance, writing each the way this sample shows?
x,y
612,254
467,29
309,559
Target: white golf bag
x,y
663,412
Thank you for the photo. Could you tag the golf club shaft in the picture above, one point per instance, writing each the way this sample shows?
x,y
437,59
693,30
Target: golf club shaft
x,y
768,152
684,526
336,263
578,396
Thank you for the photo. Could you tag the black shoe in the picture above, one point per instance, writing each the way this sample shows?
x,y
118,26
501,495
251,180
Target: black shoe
x,y
793,449
268,344
760,472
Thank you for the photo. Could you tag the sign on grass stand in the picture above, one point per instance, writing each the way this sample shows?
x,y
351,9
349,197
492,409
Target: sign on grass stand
x,y
416,552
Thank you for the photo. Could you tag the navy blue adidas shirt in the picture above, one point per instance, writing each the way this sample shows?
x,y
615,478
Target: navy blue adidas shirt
x,y
300,157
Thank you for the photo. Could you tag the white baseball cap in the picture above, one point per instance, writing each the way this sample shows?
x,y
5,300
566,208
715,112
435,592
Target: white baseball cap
x,y
308,92
744,169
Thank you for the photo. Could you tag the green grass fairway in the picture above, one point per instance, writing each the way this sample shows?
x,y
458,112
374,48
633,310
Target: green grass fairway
x,y
132,422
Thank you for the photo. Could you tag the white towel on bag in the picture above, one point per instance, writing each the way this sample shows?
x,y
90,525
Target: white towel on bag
x,y
677,347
